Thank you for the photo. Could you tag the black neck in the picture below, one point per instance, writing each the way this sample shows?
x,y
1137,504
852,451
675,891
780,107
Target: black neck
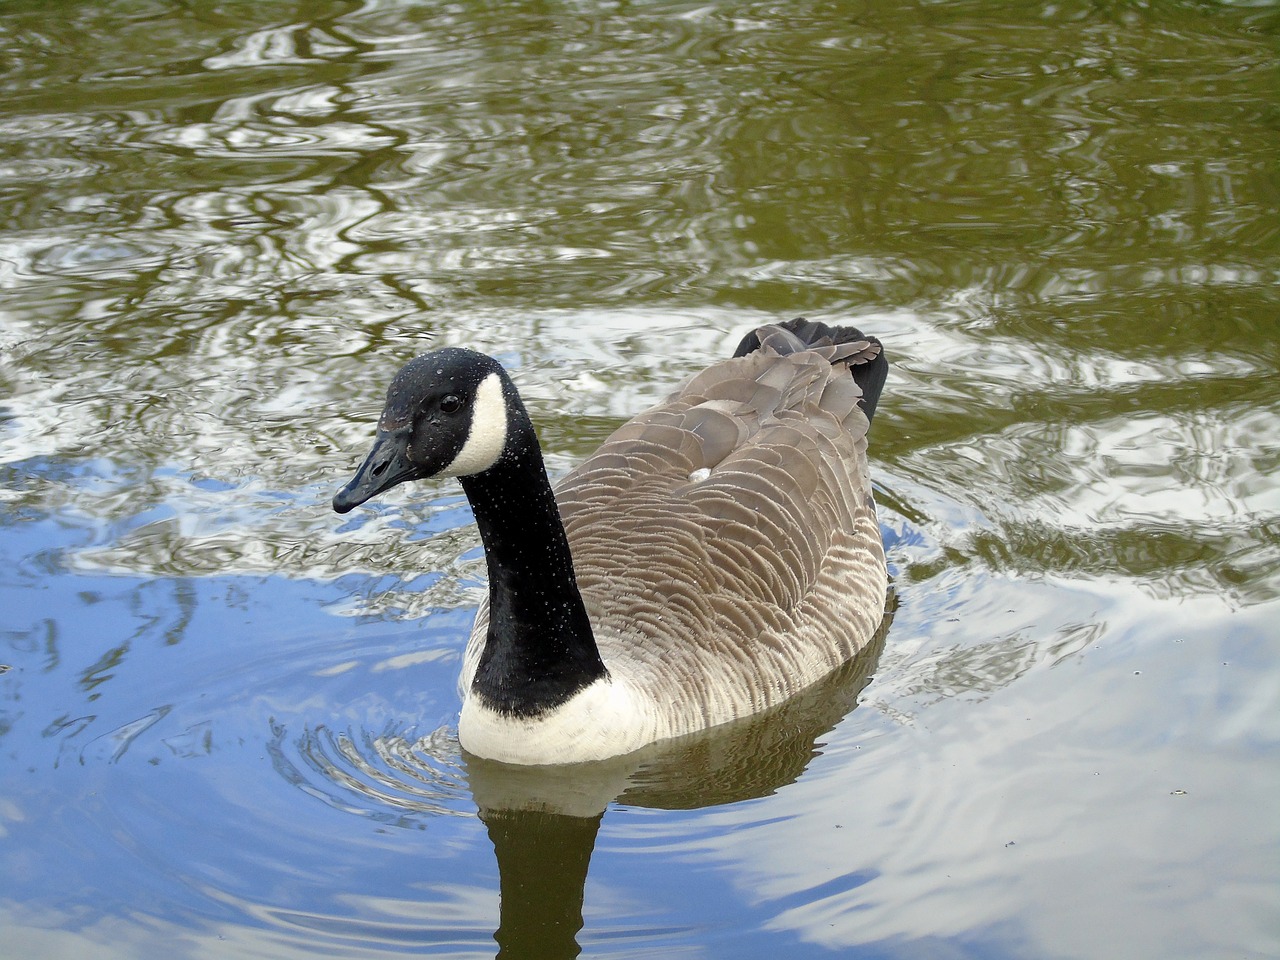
x,y
540,650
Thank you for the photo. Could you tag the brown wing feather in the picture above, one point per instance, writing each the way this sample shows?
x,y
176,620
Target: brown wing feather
x,y
740,588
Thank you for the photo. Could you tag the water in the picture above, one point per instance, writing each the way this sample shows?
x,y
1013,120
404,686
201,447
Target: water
x,y
227,723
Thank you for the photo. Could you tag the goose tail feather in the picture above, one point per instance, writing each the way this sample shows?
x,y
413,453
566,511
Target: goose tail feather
x,y
864,355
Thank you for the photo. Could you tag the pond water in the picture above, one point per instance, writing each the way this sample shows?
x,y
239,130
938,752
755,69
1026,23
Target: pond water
x,y
228,716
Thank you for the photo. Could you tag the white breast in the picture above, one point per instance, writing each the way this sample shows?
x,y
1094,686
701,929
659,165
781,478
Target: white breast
x,y
603,720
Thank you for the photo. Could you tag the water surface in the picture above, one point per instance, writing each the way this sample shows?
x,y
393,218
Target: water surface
x,y
228,722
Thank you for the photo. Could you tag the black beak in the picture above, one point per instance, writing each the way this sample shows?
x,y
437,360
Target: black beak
x,y
388,464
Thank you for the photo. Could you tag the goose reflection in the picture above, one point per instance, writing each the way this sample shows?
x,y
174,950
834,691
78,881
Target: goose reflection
x,y
543,821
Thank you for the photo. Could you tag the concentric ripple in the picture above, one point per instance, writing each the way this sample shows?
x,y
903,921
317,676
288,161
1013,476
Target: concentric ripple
x,y
385,777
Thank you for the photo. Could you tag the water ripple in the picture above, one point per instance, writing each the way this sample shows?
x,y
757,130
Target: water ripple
x,y
385,777
223,227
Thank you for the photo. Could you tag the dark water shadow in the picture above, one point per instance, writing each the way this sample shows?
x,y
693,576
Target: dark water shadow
x,y
543,821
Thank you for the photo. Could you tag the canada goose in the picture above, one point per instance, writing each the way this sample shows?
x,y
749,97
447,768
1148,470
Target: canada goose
x,y
717,554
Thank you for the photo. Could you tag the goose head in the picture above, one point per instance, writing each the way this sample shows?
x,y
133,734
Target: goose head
x,y
456,413
449,413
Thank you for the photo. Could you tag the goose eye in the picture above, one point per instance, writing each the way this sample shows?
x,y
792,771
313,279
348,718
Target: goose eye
x,y
450,403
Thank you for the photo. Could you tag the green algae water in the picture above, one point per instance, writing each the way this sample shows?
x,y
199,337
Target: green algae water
x,y
227,716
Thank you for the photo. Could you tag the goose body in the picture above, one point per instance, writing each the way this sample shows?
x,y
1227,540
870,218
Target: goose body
x,y
718,554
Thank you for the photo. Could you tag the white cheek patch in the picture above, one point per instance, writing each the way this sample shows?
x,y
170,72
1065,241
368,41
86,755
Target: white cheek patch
x,y
488,434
